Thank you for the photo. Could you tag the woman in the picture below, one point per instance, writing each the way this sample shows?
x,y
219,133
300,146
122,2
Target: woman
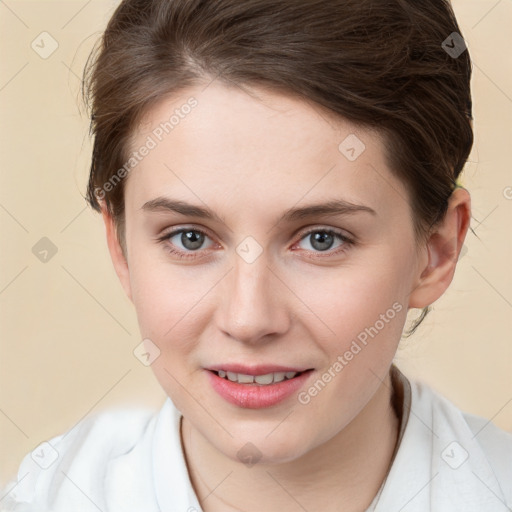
x,y
278,183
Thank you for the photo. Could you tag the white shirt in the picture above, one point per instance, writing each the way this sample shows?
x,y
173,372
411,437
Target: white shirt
x,y
133,461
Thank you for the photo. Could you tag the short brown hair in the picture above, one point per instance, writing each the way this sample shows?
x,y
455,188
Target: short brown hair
x,y
376,63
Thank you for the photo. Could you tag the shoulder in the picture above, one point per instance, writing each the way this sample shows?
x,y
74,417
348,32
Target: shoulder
x,y
497,446
83,453
488,434
447,460
477,436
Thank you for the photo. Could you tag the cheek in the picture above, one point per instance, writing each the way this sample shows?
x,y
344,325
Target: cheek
x,y
170,305
167,300
344,301
361,317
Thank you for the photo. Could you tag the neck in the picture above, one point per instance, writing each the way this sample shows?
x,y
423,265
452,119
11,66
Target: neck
x,y
344,473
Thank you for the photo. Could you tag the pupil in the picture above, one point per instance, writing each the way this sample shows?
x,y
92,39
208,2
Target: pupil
x,y
192,239
322,238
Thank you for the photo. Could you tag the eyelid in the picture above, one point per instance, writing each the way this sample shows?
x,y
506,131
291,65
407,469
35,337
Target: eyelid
x,y
304,232
167,234
174,230
347,242
319,227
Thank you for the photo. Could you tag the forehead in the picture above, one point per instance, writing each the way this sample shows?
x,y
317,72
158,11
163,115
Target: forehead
x,y
256,149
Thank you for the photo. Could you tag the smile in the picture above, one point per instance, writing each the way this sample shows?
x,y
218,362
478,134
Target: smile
x,y
263,380
257,388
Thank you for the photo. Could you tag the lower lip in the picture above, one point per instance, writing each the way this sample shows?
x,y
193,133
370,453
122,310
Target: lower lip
x,y
256,396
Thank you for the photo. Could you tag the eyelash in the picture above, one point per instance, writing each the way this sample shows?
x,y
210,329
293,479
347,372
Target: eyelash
x,y
347,242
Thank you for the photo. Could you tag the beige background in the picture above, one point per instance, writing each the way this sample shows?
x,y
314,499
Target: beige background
x,y
67,330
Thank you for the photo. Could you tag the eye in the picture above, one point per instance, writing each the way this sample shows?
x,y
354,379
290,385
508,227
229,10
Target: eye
x,y
185,242
189,242
322,240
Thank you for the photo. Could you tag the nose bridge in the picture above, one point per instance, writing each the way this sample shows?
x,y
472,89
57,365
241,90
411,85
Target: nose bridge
x,y
251,305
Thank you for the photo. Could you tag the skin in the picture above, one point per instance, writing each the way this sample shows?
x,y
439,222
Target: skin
x,y
249,158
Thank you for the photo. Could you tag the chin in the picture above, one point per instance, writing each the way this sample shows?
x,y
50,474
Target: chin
x,y
261,448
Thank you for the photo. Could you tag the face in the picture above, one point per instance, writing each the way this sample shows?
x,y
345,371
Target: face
x,y
267,285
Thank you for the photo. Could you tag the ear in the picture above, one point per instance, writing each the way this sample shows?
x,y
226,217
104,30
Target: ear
x,y
443,249
116,252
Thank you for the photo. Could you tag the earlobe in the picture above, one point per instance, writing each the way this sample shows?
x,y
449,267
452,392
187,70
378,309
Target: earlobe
x,y
443,248
116,252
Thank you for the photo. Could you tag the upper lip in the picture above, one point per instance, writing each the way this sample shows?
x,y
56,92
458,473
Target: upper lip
x,y
259,369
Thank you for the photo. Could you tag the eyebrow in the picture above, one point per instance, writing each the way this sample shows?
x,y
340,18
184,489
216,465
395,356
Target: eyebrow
x,y
329,208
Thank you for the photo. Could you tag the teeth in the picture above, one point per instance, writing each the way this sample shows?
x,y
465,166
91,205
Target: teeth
x,y
279,376
268,378
264,379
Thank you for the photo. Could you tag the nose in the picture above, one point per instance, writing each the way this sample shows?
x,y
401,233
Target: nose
x,y
252,307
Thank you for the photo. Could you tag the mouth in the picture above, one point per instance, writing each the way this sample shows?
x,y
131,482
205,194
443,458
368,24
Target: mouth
x,y
257,387
265,379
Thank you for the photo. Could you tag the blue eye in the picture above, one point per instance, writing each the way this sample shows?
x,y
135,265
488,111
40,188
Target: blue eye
x,y
322,240
190,239
189,242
